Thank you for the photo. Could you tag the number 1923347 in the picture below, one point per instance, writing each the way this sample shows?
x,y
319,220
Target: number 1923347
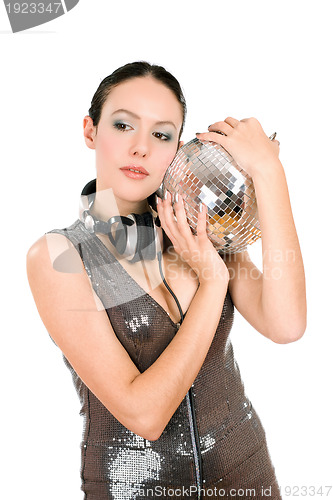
x,y
33,8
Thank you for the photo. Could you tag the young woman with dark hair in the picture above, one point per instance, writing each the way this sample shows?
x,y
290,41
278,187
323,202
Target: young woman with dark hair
x,y
165,411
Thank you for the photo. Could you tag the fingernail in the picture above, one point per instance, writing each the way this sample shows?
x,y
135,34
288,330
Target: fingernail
x,y
176,198
166,195
156,199
200,207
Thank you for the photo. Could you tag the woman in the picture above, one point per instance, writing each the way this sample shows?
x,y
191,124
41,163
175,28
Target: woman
x,y
164,405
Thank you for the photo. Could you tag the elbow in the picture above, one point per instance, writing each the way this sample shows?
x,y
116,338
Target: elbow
x,y
153,435
149,432
145,426
286,339
287,334
152,428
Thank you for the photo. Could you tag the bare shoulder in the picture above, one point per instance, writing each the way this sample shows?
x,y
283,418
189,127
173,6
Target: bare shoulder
x,y
54,251
56,273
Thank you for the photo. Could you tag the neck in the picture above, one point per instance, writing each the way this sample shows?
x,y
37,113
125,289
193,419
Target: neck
x,y
106,205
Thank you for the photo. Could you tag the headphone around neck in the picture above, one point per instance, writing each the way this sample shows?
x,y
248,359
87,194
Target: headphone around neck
x,y
135,236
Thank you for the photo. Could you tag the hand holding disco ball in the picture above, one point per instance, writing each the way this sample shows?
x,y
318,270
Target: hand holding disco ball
x,y
203,171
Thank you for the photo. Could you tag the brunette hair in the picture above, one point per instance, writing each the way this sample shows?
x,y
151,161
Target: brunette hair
x,y
134,70
127,72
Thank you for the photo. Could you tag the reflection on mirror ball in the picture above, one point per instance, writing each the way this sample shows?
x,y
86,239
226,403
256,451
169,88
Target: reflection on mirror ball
x,y
203,171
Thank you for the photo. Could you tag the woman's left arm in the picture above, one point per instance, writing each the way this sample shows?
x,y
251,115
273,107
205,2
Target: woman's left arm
x,y
273,301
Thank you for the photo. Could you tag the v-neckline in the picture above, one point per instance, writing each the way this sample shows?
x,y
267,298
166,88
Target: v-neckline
x,y
115,261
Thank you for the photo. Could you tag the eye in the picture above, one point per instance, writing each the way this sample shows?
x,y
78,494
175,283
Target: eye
x,y
163,137
120,126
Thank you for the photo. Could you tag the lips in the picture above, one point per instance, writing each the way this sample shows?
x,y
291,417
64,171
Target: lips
x,y
137,168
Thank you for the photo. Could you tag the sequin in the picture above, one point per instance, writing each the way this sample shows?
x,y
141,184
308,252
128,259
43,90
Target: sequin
x,y
136,322
118,464
207,443
130,469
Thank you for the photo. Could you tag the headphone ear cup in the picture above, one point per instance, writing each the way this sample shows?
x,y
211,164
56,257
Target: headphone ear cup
x,y
119,239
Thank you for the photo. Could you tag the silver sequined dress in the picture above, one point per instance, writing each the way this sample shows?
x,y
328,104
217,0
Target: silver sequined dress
x,y
230,440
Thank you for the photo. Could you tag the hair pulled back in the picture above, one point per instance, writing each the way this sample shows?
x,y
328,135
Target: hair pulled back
x,y
134,70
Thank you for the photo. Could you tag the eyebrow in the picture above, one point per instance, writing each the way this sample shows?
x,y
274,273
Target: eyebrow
x,y
138,117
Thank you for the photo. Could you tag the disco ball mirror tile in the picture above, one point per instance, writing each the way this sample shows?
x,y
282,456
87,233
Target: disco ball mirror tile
x,y
203,171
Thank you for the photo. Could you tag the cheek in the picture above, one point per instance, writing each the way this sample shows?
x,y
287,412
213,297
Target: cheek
x,y
106,146
165,158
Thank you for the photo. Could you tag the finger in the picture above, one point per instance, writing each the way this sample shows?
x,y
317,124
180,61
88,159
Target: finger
x,y
182,223
232,121
202,223
169,218
223,140
221,127
161,216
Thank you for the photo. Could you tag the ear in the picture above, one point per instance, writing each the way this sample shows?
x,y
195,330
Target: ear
x,y
89,132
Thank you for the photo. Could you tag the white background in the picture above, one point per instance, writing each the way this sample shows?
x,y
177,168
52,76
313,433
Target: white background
x,y
241,59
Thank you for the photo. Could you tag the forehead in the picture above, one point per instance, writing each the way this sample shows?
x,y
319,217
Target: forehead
x,y
147,98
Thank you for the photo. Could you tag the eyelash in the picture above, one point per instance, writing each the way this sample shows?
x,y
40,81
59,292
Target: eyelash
x,y
118,125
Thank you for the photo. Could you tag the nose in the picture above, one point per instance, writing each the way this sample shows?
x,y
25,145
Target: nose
x,y
140,146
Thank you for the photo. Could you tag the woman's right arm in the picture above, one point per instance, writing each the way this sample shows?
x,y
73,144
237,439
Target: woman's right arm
x,y
142,402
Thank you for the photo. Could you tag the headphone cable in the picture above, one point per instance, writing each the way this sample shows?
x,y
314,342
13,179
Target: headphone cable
x,y
159,256
189,395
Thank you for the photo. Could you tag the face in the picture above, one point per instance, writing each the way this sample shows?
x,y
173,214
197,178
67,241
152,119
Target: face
x,y
139,128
